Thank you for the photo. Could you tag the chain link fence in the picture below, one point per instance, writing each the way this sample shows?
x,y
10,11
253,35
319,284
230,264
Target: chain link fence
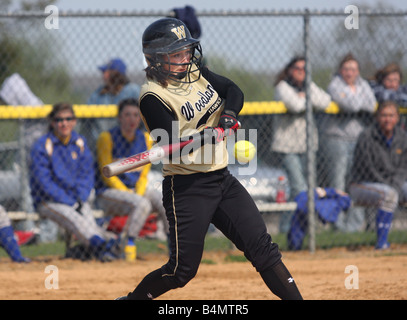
x,y
59,59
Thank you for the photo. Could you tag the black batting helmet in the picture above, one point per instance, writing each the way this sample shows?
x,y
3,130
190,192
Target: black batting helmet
x,y
166,36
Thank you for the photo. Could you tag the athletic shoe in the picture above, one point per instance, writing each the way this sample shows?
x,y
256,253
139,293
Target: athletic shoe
x,y
22,260
383,246
107,257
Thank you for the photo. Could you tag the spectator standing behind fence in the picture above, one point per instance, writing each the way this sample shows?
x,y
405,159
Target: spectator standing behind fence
x,y
15,91
289,138
115,88
7,239
188,16
128,193
387,85
339,132
379,168
62,178
116,85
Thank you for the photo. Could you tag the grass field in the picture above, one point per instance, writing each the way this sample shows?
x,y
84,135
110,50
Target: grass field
x,y
324,240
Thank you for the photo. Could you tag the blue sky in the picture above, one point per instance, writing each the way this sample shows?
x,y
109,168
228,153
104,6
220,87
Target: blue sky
x,y
219,4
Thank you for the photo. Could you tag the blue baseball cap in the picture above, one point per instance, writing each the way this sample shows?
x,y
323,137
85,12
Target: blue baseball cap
x,y
114,64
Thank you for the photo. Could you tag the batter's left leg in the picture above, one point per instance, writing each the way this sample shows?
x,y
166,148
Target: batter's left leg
x,y
240,220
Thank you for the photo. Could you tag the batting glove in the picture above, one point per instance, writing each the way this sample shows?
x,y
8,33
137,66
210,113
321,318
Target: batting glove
x,y
228,121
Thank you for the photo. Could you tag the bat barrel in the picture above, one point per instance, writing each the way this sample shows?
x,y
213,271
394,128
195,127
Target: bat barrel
x,y
133,162
115,169
108,171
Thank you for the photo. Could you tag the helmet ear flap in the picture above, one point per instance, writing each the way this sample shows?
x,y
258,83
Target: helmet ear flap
x,y
148,59
153,63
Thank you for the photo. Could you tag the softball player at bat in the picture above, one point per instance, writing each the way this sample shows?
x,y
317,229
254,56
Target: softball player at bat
x,y
61,181
196,194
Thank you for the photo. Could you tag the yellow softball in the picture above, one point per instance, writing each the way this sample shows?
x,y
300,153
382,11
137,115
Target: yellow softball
x,y
244,151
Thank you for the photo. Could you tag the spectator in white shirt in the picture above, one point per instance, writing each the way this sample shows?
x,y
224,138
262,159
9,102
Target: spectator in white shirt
x,y
289,138
339,132
16,92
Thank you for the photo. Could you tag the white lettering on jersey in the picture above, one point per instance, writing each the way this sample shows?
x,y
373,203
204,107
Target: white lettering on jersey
x,y
205,99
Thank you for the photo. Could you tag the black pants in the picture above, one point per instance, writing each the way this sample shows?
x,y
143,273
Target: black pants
x,y
194,201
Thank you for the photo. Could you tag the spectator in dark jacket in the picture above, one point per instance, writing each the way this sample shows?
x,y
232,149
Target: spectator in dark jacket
x,y
380,168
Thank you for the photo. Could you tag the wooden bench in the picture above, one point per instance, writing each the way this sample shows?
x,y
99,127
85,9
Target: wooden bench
x,y
22,215
264,207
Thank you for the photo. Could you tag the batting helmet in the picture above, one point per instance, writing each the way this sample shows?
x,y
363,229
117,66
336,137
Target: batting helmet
x,y
167,36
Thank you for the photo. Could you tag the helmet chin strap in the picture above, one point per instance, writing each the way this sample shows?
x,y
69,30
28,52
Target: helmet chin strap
x,y
179,75
157,63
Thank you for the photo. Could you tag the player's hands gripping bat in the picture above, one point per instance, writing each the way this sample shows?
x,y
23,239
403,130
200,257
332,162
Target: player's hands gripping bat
x,y
228,120
209,135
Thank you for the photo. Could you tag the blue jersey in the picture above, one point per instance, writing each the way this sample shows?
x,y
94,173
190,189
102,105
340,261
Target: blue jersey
x,y
122,148
130,90
61,173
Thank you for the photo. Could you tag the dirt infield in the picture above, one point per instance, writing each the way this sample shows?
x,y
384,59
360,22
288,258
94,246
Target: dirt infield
x,y
381,275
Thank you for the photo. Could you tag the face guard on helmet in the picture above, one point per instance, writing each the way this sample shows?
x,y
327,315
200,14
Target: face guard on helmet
x,y
169,37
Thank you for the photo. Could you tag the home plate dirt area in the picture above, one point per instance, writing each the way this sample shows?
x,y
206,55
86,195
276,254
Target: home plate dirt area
x,y
336,274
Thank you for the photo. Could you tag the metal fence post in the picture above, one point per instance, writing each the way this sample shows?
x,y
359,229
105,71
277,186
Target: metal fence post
x,y
22,152
310,139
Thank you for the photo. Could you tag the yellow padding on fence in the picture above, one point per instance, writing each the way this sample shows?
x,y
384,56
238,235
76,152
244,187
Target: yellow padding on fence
x,y
36,112
110,111
274,107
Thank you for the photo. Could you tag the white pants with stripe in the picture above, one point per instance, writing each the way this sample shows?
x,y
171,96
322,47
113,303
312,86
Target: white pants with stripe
x,y
83,225
115,202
